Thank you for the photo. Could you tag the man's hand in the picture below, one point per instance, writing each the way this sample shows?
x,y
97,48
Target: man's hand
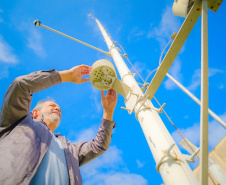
x,y
75,74
109,103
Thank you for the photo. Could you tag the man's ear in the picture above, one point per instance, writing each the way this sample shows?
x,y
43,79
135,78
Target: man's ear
x,y
35,113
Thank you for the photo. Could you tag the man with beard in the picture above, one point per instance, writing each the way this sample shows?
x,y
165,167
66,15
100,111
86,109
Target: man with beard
x,y
30,153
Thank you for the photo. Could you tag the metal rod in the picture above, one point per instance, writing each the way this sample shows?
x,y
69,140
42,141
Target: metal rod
x,y
217,118
174,49
38,23
156,134
204,97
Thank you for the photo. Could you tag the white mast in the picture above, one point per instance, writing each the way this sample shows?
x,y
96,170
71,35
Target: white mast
x,y
170,163
204,98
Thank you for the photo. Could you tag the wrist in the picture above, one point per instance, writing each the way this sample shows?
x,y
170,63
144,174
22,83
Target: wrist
x,y
108,115
65,76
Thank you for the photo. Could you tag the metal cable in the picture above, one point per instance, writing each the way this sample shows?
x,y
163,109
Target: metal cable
x,y
160,59
135,69
133,66
149,75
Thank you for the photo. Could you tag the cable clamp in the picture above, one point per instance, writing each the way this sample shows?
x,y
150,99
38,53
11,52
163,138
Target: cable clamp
x,y
125,55
131,107
144,86
166,153
129,110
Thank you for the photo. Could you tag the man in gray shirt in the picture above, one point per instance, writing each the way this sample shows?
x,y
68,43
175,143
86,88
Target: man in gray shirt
x,y
29,151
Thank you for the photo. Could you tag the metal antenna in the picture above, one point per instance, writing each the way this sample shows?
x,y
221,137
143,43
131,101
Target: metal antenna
x,y
38,23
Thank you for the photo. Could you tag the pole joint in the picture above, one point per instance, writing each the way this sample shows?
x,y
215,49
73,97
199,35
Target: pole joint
x,y
142,103
166,153
129,73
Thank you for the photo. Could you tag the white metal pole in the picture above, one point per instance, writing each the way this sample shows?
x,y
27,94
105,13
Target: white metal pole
x,y
204,97
216,117
174,171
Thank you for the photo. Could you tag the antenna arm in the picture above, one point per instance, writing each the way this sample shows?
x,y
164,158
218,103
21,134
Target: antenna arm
x,y
38,23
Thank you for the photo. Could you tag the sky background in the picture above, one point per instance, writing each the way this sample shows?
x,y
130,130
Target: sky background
x,y
143,28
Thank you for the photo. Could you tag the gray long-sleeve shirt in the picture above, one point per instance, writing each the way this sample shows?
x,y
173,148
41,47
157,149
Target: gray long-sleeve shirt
x,y
24,142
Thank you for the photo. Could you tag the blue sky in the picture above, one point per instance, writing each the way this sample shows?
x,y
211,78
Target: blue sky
x,y
143,28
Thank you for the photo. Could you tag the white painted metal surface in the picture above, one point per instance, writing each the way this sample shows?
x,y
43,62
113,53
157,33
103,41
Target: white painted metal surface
x,y
204,97
174,49
173,172
217,171
216,117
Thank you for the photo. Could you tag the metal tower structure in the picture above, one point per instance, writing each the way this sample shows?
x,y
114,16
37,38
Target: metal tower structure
x,y
170,162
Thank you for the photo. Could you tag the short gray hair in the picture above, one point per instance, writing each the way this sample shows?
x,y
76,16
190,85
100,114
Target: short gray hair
x,y
41,103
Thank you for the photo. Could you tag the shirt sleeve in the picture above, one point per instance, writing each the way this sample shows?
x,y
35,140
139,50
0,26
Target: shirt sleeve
x,y
88,151
17,100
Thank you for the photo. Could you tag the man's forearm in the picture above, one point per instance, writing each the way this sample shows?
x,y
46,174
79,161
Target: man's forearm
x,y
17,100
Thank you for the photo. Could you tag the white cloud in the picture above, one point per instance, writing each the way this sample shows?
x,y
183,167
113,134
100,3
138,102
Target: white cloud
x,y
109,168
110,160
96,97
117,179
216,133
168,25
221,86
141,68
34,39
1,19
35,42
86,135
175,73
135,34
196,77
6,52
4,72
140,164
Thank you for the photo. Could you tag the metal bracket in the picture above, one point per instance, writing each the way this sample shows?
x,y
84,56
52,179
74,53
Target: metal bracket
x,y
128,96
139,109
190,158
129,110
166,153
160,109
129,73
132,99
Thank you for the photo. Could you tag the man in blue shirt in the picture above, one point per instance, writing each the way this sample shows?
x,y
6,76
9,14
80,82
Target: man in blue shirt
x,y
29,151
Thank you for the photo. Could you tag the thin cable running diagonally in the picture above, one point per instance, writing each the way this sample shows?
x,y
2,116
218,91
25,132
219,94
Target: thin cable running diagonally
x,y
133,66
160,59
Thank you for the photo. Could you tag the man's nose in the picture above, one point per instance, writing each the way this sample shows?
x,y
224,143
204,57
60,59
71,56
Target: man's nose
x,y
57,108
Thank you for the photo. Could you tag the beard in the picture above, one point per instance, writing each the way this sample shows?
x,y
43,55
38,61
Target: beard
x,y
52,117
